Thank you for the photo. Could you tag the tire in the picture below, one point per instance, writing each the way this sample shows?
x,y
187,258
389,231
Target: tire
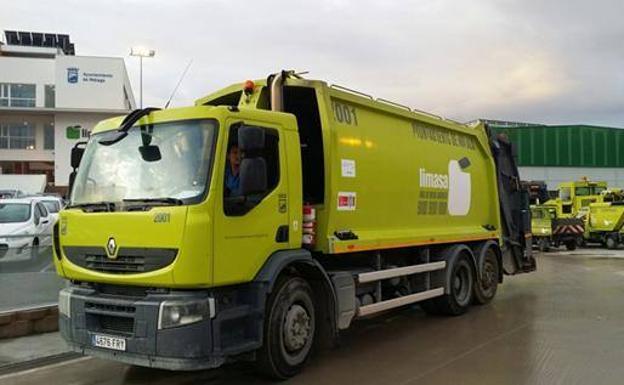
x,y
485,287
610,242
571,245
429,306
462,280
289,329
544,245
34,250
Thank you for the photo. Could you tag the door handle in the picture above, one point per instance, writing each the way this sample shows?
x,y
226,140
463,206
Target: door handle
x,y
282,234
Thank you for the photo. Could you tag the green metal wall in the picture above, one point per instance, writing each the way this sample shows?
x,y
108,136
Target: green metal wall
x,y
567,146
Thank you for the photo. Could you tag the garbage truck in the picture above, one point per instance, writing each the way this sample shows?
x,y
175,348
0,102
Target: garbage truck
x,y
273,214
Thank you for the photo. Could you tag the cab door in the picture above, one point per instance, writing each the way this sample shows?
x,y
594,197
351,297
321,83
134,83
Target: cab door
x,y
250,225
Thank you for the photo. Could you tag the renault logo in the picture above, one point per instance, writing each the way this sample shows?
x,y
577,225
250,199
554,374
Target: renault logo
x,y
111,248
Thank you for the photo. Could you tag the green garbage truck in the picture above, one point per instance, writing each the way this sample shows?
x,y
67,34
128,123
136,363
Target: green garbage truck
x,y
273,214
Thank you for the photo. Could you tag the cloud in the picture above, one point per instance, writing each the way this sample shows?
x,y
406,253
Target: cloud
x,y
555,62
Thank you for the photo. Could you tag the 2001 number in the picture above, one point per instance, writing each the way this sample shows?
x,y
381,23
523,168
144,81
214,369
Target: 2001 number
x,y
345,114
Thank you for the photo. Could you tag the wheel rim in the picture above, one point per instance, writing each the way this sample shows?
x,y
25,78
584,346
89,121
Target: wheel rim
x,y
461,285
297,333
297,328
488,277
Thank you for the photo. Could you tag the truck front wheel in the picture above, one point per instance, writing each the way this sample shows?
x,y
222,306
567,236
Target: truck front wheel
x,y
543,244
289,329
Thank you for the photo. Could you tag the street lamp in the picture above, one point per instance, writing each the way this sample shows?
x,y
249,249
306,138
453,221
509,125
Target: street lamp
x,y
141,52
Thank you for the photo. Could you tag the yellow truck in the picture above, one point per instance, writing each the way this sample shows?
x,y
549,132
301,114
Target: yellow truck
x,y
575,197
549,230
605,220
273,214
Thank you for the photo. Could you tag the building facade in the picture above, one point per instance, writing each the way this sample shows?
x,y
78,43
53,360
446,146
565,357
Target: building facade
x,y
563,153
50,99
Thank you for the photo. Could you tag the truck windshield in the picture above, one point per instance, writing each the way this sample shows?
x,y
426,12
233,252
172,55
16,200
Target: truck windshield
x,y
14,212
592,190
177,168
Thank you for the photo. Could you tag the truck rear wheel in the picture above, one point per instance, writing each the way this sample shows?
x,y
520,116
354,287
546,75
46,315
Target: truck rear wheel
x,y
571,245
610,242
289,329
486,285
459,298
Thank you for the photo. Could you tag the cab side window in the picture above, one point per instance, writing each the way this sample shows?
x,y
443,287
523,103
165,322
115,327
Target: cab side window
x,y
42,210
36,214
251,167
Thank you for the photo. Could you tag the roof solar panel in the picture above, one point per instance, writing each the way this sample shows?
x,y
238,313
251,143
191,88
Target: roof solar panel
x,y
25,38
11,37
63,41
50,40
37,39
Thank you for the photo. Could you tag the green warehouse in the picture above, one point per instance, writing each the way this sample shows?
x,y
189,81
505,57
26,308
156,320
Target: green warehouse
x,y
562,153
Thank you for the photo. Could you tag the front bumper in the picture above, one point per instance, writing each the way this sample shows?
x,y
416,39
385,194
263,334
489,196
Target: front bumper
x,y
236,327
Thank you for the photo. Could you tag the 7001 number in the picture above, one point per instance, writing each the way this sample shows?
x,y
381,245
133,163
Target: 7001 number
x,y
345,114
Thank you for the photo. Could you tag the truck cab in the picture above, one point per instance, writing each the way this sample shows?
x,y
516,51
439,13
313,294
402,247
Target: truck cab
x,y
574,197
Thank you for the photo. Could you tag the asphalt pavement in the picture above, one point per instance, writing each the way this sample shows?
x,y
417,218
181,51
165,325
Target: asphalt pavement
x,y
28,279
560,325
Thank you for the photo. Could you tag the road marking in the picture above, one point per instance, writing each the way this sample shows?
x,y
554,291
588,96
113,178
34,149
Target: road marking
x,y
44,367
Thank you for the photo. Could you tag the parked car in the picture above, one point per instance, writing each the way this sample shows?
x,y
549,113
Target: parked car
x,y
11,193
53,204
25,224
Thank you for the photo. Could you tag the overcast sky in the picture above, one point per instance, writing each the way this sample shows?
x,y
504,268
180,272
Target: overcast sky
x,y
528,60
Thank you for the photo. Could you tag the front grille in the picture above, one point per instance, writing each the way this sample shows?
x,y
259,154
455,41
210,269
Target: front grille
x,y
128,260
116,325
121,290
104,307
120,264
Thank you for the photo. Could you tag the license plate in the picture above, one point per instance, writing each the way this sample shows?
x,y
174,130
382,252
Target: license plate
x,y
108,342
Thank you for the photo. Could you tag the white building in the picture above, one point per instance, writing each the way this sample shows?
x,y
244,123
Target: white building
x,y
50,99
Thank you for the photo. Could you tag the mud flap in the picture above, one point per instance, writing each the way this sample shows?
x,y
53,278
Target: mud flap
x,y
514,207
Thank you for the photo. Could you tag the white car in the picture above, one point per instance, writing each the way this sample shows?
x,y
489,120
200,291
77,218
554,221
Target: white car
x,y
53,205
25,224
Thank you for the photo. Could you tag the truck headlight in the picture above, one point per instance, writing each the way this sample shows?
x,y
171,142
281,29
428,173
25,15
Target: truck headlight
x,y
178,313
64,303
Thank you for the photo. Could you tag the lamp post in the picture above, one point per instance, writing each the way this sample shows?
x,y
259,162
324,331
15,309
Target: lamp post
x,y
141,52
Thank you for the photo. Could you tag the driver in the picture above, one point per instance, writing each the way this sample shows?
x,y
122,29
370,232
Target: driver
x,y
232,170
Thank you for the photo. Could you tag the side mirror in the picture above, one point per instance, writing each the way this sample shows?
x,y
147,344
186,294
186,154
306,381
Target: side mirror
x,y
150,153
253,176
76,154
251,138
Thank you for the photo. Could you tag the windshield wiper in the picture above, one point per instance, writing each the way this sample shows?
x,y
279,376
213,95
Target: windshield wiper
x,y
94,206
157,201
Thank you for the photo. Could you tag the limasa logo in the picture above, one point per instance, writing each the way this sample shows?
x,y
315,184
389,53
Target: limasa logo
x,y
76,132
72,75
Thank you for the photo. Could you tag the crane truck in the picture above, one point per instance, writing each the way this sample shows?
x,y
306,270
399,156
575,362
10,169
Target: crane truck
x,y
345,207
